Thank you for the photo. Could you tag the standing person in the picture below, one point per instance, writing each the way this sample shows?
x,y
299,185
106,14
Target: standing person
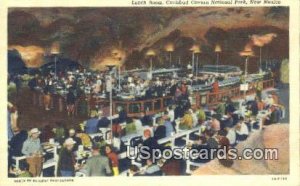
x,y
16,143
71,99
47,98
113,157
215,86
66,161
32,149
9,125
97,165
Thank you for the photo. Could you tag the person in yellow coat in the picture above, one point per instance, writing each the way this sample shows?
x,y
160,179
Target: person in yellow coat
x,y
85,138
186,121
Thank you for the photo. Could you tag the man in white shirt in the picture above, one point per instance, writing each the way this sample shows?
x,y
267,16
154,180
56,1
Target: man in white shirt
x,y
242,131
231,135
171,113
139,126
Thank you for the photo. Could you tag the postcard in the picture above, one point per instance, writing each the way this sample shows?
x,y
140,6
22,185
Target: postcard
x,y
159,92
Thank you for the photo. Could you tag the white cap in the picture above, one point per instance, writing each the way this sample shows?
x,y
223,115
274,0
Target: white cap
x,y
72,131
34,131
100,113
70,141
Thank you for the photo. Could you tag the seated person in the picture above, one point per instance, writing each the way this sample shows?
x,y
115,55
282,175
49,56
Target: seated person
x,y
215,124
228,122
178,112
146,120
91,125
171,112
150,142
275,115
115,141
211,140
220,110
195,117
138,124
130,127
186,122
242,131
122,115
59,132
253,107
173,167
260,103
160,131
46,133
229,107
169,126
72,134
231,135
16,142
269,101
199,145
103,121
201,115
223,141
85,138
134,171
99,142
152,169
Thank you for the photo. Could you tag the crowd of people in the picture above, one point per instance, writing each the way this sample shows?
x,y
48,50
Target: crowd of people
x,y
223,124
84,87
226,124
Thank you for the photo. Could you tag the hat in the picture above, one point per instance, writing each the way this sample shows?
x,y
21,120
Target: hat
x,y
100,113
70,141
34,131
72,131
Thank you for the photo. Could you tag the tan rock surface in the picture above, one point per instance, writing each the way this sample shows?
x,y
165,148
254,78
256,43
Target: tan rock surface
x,y
273,136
